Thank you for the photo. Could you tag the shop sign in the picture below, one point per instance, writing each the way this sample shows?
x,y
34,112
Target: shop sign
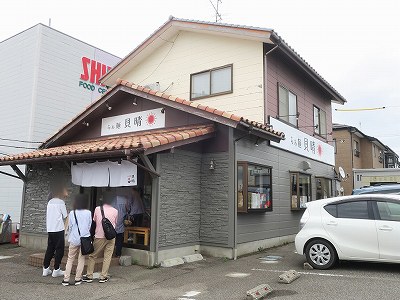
x,y
92,71
144,120
303,144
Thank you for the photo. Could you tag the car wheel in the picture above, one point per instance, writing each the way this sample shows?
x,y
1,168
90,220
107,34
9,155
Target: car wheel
x,y
320,254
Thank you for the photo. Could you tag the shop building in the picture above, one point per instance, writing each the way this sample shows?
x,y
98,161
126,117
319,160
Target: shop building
x,y
355,150
215,181
47,77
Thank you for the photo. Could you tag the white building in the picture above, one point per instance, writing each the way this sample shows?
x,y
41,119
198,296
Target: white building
x,y
46,77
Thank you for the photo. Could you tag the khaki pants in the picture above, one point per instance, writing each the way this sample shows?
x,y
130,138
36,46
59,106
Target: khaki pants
x,y
99,245
72,252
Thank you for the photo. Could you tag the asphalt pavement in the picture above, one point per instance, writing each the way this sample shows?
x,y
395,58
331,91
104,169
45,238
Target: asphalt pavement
x,y
211,279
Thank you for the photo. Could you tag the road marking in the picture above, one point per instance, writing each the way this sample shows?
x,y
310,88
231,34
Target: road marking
x,y
393,279
304,273
237,275
186,299
5,257
191,294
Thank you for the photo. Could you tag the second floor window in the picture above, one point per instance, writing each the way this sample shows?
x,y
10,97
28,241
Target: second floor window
x,y
319,121
356,148
287,106
211,82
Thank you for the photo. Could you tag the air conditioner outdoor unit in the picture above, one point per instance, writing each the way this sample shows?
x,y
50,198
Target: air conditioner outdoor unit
x,y
153,86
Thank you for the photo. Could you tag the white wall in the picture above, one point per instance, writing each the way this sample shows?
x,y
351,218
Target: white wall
x,y
17,63
195,52
40,93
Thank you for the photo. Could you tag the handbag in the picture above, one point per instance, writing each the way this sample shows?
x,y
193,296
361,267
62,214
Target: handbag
x,y
108,228
86,242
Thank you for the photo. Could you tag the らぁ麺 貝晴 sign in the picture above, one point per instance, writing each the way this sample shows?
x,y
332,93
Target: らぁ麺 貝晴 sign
x,y
303,144
139,121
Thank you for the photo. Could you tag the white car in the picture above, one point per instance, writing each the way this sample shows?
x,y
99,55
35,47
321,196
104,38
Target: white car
x,y
362,228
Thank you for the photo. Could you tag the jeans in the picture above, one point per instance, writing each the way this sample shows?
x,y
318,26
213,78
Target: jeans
x,y
119,240
55,248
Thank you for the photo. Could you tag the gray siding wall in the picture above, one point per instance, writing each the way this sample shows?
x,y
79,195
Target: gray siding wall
x,y
214,222
281,221
194,200
37,191
180,198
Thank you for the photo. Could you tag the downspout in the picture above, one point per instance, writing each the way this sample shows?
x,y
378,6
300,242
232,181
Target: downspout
x,y
265,75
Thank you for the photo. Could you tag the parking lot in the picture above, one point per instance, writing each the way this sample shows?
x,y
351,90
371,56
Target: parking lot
x,y
210,279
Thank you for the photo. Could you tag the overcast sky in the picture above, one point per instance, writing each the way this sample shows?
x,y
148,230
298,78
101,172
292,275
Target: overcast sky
x,y
354,45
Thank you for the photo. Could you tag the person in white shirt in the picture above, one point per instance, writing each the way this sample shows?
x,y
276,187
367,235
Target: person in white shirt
x,y
55,217
80,218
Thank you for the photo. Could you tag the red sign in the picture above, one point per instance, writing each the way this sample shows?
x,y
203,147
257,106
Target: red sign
x,y
93,70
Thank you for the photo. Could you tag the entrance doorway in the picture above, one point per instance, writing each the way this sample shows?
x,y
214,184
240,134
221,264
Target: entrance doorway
x,y
138,205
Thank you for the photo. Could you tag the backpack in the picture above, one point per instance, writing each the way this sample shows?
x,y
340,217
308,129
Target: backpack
x,y
108,228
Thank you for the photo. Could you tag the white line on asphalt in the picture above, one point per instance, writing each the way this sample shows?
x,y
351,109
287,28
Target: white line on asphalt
x,y
304,273
5,257
191,294
392,279
237,275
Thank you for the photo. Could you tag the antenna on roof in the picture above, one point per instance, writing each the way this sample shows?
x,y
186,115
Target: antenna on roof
x,y
218,16
49,22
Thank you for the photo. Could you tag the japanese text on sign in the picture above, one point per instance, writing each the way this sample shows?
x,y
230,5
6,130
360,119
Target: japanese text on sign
x,y
144,120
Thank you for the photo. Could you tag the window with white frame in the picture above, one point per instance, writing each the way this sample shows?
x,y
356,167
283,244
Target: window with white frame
x,y
211,82
319,121
287,105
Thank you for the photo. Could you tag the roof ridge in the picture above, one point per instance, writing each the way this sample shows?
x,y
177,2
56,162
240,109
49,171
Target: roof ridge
x,y
209,109
139,133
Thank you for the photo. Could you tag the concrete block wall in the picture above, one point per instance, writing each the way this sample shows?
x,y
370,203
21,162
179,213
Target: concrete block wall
x,y
36,194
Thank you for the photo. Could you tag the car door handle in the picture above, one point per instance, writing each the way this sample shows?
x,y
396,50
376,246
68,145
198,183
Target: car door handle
x,y
385,228
332,223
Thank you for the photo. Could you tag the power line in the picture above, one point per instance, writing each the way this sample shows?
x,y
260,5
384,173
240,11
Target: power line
x,y
359,109
20,141
162,60
17,147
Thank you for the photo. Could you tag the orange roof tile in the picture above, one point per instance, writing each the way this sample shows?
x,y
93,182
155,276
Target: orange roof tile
x,y
208,109
141,140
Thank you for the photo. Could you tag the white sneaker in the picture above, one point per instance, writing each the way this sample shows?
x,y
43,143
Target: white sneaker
x,y
58,273
46,272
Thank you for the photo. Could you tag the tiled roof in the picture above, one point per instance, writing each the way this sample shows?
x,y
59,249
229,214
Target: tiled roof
x,y
209,109
142,140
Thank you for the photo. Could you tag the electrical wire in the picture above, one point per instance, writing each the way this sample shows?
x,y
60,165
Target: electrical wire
x,y
17,147
359,109
20,141
166,55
